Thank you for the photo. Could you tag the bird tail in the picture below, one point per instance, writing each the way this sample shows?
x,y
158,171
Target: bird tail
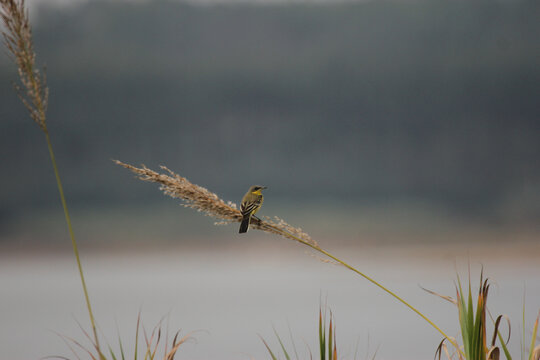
x,y
245,224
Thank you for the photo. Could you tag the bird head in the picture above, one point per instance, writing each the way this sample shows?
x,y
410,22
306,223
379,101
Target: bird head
x,y
256,189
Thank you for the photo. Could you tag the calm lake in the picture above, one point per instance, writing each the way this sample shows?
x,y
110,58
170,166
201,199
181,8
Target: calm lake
x,y
229,294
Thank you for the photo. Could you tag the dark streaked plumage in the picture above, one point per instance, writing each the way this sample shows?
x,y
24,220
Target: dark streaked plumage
x,y
251,203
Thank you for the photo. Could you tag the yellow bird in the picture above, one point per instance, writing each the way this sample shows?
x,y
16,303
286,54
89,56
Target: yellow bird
x,y
251,203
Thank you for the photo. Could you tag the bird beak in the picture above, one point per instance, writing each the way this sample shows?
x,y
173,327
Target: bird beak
x,y
264,187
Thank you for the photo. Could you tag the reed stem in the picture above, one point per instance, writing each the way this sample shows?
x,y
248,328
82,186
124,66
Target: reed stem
x,y
73,242
34,94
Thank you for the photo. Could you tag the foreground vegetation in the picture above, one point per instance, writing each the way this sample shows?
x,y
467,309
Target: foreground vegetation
x,y
34,95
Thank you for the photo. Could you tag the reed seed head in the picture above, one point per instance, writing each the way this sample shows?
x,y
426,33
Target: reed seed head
x,y
205,201
17,35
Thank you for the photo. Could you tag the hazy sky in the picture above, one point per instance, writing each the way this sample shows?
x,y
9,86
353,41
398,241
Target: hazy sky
x,y
31,3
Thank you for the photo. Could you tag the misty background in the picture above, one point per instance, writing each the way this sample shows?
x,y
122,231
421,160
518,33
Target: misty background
x,y
377,105
403,136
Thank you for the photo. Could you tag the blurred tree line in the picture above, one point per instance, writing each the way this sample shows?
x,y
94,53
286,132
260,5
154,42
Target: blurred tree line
x,y
430,100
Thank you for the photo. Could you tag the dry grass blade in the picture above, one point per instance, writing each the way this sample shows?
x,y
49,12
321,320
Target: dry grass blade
x,y
442,347
176,345
94,345
157,343
534,350
79,345
444,297
496,330
68,344
456,353
18,39
494,353
173,345
150,354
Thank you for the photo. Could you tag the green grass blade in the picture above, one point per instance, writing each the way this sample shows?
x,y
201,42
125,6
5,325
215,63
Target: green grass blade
x,y
121,347
463,322
522,341
112,353
293,343
533,338
137,335
330,338
469,318
478,328
282,346
332,347
462,309
334,353
268,348
120,343
505,348
499,336
322,336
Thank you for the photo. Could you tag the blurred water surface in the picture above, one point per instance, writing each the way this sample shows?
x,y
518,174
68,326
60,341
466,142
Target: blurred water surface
x,y
233,291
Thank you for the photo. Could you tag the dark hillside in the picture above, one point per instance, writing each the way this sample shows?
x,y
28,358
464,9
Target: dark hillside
x,y
437,101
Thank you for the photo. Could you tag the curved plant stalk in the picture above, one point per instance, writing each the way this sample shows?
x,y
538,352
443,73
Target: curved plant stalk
x,y
374,282
203,200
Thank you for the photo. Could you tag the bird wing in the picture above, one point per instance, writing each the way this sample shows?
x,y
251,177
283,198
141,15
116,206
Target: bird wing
x,y
248,206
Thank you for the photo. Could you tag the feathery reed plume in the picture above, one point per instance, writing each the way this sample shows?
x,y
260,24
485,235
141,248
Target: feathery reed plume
x,y
203,200
34,94
18,40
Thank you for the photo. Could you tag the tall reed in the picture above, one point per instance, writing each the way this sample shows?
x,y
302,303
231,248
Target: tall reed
x,y
34,94
205,201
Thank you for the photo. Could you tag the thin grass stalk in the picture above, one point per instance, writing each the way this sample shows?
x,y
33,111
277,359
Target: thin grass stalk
x,y
293,343
73,242
532,349
176,345
522,340
322,334
34,94
272,355
137,335
397,297
330,339
287,356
